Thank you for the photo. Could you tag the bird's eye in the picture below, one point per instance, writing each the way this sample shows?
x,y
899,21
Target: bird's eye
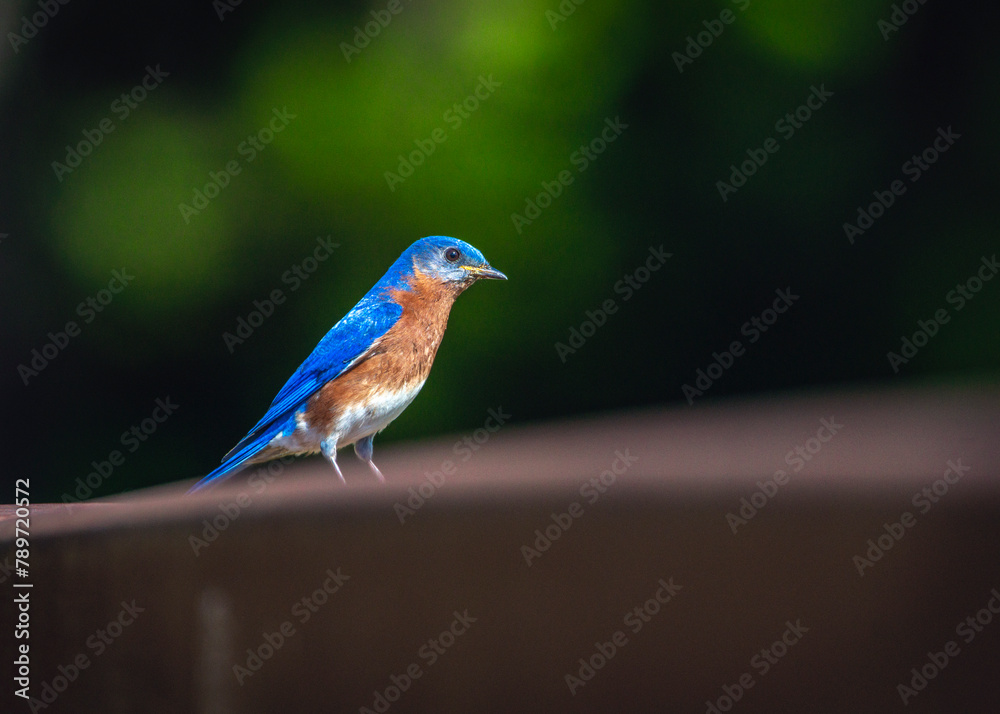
x,y
452,254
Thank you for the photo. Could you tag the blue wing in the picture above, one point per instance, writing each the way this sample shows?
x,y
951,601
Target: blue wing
x,y
347,342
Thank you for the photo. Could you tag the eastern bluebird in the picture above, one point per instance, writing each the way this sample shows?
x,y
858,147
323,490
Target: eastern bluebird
x,y
369,366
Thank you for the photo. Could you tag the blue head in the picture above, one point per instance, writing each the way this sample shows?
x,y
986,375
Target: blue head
x,y
450,261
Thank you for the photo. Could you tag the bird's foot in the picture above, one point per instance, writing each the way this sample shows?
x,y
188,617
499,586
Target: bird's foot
x,y
329,450
340,475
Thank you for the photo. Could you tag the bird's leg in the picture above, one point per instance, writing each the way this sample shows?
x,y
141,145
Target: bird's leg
x,y
329,448
363,448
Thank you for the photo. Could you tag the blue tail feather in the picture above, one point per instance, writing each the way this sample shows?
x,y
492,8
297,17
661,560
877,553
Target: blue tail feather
x,y
234,462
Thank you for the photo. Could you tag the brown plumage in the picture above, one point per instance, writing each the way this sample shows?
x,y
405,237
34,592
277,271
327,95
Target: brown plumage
x,y
401,359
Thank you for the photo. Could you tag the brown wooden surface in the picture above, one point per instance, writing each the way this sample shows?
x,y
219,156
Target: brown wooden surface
x,y
663,518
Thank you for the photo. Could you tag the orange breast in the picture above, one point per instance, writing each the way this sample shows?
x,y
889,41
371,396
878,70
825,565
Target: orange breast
x,y
401,359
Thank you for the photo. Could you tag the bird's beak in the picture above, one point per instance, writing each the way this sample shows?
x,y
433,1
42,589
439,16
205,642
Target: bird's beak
x,y
484,271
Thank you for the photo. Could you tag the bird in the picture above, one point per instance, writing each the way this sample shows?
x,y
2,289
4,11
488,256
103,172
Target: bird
x,y
369,367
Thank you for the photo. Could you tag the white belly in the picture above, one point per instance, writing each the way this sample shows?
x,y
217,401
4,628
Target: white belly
x,y
356,422
371,417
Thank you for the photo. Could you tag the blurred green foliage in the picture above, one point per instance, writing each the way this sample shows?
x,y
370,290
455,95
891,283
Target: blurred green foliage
x,y
324,174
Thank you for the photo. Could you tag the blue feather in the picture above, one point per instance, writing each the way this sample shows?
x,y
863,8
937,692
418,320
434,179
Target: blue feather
x,y
345,344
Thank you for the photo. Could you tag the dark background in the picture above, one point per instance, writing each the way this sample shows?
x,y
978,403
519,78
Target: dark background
x,y
324,176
